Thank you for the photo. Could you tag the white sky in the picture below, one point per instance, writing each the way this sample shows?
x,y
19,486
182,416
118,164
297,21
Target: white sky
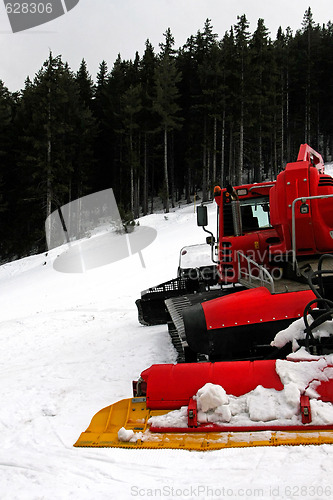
x,y
100,29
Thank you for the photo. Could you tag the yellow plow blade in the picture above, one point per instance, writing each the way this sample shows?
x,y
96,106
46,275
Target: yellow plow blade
x,y
133,415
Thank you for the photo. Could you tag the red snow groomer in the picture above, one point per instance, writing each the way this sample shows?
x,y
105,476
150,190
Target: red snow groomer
x,y
270,237
269,265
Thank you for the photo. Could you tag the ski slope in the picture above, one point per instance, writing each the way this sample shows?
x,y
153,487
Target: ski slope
x,y
71,345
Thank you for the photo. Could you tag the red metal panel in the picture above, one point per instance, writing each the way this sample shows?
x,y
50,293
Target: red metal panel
x,y
254,306
325,391
322,210
172,386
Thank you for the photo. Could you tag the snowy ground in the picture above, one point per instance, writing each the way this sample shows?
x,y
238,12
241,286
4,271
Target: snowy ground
x,y
71,345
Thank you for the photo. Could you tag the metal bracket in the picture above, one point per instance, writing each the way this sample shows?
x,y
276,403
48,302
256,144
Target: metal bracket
x,y
306,410
192,413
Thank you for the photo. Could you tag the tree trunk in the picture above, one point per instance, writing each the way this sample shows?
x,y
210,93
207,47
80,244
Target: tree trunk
x,y
259,168
145,178
214,151
222,149
152,191
132,174
49,168
137,199
49,181
288,145
282,125
231,158
166,176
241,147
275,151
188,183
209,180
172,170
241,128
204,163
204,173
308,93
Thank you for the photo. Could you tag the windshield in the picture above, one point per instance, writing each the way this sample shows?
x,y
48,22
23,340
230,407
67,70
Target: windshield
x,y
255,213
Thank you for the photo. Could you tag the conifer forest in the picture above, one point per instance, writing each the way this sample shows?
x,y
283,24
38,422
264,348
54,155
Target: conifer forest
x,y
164,125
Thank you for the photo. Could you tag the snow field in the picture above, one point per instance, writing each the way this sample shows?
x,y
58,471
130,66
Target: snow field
x,y
70,345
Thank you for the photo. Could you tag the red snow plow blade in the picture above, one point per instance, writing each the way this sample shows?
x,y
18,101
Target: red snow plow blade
x,y
168,408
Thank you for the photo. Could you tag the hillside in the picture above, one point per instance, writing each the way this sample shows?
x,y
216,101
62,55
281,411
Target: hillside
x,y
71,344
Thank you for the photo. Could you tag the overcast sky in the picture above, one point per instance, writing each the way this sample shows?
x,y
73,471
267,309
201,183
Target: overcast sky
x,y
98,30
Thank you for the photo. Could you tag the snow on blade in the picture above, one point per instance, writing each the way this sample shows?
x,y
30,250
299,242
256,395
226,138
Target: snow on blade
x,y
130,436
210,397
213,400
262,405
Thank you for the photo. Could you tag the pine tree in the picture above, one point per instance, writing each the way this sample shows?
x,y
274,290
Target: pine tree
x,y
165,105
229,97
242,68
147,71
53,127
5,121
85,83
6,144
281,55
102,143
117,84
245,104
209,75
262,108
190,136
132,106
307,30
84,132
325,77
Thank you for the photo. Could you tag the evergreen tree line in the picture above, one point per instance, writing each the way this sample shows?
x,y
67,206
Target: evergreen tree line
x,y
166,124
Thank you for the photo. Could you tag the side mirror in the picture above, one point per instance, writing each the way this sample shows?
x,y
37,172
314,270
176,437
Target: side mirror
x,y
202,216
